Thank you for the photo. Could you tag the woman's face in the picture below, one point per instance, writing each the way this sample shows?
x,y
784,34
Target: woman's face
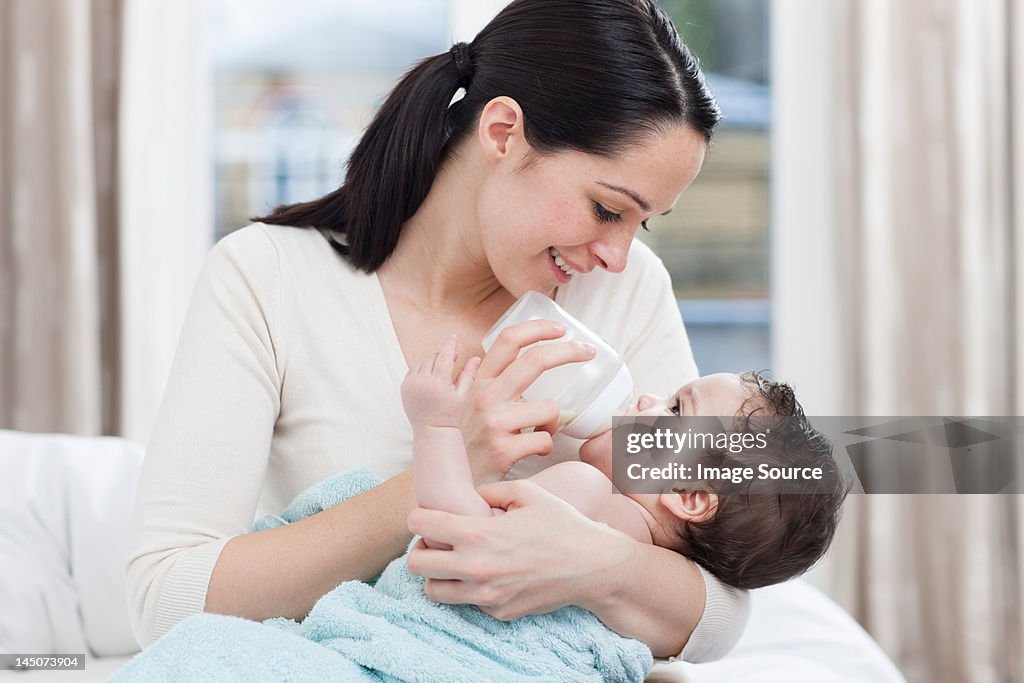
x,y
543,222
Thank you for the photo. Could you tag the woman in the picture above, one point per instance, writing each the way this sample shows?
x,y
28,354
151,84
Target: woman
x,y
580,120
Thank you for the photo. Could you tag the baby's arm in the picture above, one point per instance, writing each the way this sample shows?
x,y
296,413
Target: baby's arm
x,y
433,404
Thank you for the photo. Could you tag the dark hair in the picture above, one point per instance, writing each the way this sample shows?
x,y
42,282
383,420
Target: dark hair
x,y
593,76
758,539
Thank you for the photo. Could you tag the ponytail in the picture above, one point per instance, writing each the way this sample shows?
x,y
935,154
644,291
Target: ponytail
x,y
391,169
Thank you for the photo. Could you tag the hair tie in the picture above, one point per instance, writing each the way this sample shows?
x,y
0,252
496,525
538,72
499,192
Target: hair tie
x,y
460,53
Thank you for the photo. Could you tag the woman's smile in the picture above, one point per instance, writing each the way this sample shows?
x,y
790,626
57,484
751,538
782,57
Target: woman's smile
x,y
562,271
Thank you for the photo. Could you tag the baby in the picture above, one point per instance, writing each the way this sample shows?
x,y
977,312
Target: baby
x,y
747,540
391,630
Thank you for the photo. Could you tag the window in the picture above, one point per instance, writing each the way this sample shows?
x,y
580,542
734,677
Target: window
x,y
715,244
294,85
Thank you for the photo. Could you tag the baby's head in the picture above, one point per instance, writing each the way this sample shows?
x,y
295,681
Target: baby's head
x,y
747,539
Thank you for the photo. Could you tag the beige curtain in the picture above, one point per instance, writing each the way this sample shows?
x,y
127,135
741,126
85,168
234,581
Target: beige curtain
x,y
105,206
898,259
59,336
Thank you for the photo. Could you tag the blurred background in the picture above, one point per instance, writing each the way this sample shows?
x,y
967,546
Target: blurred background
x,y
858,227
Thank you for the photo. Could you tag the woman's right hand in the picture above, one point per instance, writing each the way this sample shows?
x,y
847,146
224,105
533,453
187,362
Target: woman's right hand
x,y
495,414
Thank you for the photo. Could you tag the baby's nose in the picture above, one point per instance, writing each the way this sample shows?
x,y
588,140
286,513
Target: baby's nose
x,y
645,402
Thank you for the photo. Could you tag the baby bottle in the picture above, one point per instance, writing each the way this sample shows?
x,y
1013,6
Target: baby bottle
x,y
589,393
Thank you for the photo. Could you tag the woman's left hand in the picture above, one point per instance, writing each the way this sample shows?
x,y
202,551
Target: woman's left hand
x,y
540,555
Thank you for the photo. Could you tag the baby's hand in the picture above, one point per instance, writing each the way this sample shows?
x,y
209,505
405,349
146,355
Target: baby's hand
x,y
429,396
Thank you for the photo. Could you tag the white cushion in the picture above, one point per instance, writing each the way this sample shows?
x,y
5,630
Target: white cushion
x,y
795,634
65,508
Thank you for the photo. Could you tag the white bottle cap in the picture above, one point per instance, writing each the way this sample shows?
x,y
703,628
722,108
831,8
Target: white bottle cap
x,y
596,416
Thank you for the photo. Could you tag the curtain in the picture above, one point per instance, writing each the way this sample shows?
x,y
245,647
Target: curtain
x,y
166,160
58,215
898,269
104,206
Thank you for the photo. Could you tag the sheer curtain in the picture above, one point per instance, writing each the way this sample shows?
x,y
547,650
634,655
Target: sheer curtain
x,y
104,206
897,261
167,192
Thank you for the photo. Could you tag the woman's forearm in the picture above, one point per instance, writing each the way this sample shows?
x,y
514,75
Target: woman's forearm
x,y
657,597
281,572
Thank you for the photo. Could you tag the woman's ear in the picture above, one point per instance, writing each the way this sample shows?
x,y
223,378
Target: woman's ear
x,y
500,130
691,506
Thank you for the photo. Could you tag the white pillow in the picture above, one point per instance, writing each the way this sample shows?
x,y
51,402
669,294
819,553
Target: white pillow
x,y
65,509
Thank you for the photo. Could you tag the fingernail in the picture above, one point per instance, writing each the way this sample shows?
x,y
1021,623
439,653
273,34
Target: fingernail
x,y
558,326
586,348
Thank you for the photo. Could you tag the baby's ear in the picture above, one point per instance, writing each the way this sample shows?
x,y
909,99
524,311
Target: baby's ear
x,y
691,506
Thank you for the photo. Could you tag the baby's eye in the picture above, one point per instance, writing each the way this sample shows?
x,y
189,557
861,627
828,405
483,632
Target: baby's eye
x,y
677,409
604,215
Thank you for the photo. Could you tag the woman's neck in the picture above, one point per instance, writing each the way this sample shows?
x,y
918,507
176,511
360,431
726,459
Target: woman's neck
x,y
438,263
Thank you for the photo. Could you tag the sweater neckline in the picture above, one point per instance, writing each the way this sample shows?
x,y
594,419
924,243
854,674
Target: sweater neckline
x,y
386,333
388,336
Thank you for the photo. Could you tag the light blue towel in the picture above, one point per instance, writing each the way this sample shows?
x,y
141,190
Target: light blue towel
x,y
389,632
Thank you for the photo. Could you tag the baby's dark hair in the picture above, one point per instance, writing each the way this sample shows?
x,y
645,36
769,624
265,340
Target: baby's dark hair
x,y
758,539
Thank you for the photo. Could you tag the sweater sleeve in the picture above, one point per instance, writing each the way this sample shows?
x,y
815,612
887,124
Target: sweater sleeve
x,y
726,612
207,457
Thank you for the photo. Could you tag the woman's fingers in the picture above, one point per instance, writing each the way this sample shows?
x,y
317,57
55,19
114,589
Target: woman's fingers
x,y
511,341
426,561
525,414
509,565
442,527
515,416
525,370
509,495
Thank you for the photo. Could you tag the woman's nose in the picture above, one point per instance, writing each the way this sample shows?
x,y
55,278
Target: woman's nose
x,y
611,254
645,402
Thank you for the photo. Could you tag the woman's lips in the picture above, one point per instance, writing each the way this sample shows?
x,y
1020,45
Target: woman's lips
x,y
560,275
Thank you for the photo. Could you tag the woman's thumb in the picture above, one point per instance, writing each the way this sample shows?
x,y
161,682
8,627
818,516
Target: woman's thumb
x,y
509,495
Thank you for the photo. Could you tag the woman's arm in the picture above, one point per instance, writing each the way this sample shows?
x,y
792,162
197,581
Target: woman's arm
x,y
284,571
207,459
543,554
656,597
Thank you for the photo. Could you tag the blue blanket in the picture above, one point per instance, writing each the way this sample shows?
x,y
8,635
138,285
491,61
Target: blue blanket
x,y
388,631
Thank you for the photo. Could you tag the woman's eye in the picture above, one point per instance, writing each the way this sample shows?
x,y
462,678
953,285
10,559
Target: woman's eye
x,y
604,215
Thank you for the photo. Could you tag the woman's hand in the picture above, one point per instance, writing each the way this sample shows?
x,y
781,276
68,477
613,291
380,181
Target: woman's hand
x,y
541,555
495,415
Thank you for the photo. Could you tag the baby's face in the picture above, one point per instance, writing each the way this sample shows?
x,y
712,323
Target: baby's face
x,y
718,395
